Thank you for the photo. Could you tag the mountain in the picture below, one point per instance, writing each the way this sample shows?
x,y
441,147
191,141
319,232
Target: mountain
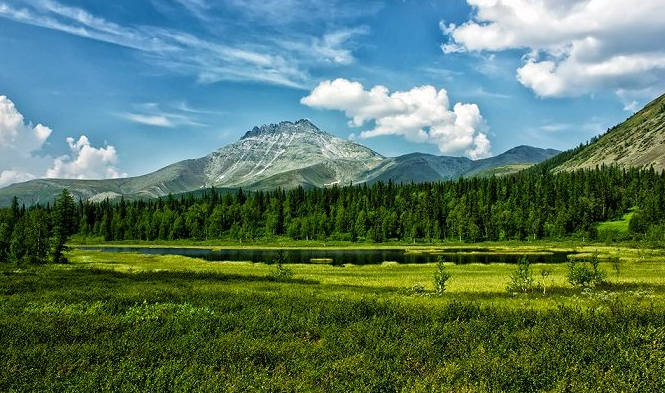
x,y
419,167
261,157
637,142
285,155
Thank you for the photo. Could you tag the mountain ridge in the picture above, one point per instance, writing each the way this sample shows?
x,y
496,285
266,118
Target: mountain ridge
x,y
638,142
286,154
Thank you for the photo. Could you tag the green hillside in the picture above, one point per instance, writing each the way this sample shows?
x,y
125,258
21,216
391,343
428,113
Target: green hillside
x,y
637,142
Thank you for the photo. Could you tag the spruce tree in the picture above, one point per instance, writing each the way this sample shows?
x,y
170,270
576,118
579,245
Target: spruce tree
x,y
64,224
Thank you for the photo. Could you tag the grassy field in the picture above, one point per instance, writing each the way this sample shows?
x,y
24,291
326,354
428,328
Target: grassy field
x,y
619,226
131,322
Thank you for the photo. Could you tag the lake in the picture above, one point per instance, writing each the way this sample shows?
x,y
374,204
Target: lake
x,y
352,256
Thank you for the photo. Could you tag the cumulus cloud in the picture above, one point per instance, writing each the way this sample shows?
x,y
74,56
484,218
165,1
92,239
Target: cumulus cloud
x,y
22,158
421,115
86,162
571,47
9,177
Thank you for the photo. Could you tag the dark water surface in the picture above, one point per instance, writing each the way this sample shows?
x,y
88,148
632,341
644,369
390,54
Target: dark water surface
x,y
353,256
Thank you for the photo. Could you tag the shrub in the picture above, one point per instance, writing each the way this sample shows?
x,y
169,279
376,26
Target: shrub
x,y
585,275
521,280
280,271
544,273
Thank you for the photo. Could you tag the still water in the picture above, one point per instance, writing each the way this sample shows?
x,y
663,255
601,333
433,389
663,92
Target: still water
x,y
354,256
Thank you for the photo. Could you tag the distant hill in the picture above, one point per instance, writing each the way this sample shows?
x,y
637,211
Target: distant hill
x,y
639,142
285,155
419,167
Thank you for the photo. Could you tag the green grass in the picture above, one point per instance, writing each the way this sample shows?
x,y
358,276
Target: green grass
x,y
618,226
132,322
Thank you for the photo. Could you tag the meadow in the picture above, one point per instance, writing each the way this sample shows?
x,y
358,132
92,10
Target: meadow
x,y
132,322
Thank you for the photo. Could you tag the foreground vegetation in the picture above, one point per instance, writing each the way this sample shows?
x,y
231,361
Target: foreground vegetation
x,y
131,322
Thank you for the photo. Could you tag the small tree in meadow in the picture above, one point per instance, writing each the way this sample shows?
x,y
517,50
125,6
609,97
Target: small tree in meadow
x,y
281,272
544,273
64,224
441,276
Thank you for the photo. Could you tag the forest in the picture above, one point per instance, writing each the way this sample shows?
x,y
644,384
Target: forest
x,y
531,205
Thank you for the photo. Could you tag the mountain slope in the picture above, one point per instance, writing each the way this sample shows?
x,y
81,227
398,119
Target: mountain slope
x,y
418,167
510,161
255,161
285,155
278,148
637,142
178,177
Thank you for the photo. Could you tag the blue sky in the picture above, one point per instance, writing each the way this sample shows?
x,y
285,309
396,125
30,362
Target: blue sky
x,y
139,85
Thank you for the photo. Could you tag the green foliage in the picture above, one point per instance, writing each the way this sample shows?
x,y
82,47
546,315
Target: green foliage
x,y
585,274
530,205
184,331
441,276
521,280
280,272
544,274
64,224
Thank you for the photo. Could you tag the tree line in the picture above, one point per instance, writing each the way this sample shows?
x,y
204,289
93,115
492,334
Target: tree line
x,y
531,205
37,234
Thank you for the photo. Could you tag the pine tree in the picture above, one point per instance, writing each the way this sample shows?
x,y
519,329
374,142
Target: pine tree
x,y
64,224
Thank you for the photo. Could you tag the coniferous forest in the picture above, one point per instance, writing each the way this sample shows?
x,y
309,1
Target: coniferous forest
x,y
531,205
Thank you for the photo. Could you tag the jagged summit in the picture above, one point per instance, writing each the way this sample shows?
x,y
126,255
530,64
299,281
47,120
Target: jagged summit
x,y
273,149
300,126
286,155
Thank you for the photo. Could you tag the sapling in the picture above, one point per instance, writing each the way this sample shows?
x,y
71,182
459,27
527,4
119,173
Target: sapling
x,y
441,276
543,275
521,280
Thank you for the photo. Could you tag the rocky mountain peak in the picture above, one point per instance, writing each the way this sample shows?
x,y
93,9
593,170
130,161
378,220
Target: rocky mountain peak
x,y
300,126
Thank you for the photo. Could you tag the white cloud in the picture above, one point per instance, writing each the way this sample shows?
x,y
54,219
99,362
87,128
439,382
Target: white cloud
x,y
15,134
421,115
555,127
86,162
198,8
9,177
282,58
151,114
572,47
332,48
151,120
22,158
303,12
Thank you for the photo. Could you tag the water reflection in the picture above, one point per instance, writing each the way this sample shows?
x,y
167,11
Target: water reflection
x,y
354,256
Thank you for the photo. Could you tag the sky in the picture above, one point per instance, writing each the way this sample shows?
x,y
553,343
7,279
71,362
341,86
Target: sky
x,y
97,89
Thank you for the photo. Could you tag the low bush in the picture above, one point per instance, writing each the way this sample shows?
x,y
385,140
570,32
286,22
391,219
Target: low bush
x,y
521,280
585,274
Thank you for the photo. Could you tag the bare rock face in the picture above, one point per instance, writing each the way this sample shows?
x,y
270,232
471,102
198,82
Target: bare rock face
x,y
266,151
